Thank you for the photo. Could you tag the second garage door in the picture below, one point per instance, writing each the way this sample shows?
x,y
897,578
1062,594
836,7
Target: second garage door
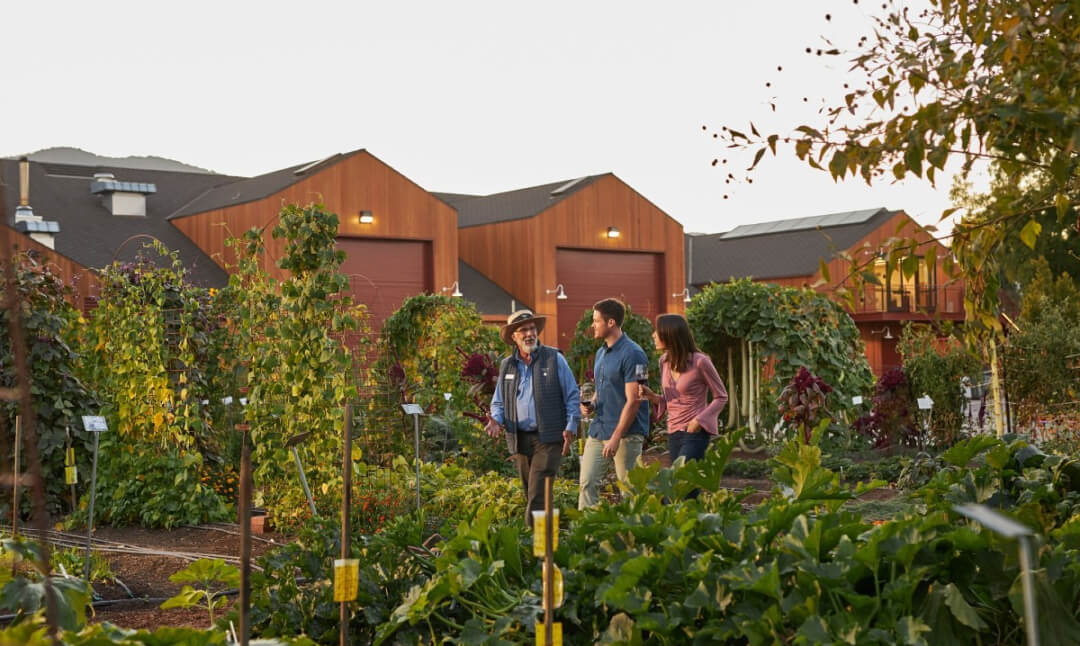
x,y
383,273
589,276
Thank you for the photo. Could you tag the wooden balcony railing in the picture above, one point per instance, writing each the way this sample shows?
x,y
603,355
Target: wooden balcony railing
x,y
941,300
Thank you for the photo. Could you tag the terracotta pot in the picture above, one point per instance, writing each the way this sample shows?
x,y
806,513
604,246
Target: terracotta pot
x,y
259,522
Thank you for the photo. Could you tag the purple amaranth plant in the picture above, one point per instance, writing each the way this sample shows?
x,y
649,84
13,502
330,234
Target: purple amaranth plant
x,y
802,402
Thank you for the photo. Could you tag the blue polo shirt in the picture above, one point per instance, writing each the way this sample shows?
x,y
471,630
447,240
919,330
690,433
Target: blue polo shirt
x,y
613,369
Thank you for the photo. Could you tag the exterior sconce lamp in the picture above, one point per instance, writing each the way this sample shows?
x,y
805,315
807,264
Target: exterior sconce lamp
x,y
613,232
886,331
457,291
685,293
560,293
366,217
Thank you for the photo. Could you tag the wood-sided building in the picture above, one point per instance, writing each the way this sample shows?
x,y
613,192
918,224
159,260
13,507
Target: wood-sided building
x,y
788,252
558,248
399,240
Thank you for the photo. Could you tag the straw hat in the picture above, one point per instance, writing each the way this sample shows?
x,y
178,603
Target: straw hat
x,y
518,319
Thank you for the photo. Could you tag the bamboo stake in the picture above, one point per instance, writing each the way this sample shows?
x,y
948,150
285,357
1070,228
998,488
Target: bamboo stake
x,y
995,386
549,578
733,396
346,503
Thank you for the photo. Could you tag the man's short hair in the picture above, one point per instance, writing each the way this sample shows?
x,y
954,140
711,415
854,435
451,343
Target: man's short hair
x,y
611,308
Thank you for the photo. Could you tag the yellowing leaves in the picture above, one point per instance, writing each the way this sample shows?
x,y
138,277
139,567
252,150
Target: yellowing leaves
x,y
159,420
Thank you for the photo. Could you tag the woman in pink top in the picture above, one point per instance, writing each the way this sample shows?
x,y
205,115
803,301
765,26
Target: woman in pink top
x,y
687,376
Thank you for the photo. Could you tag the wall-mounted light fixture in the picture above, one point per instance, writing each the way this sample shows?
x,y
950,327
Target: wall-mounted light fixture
x,y
886,331
560,293
366,217
613,232
457,291
685,293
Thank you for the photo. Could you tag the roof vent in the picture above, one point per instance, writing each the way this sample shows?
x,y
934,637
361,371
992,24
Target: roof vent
x,y
569,185
121,198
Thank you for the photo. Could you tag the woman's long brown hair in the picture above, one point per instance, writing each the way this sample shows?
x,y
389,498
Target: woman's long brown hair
x,y
675,334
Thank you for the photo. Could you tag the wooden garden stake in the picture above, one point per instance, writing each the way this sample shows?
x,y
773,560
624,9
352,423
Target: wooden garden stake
x,y
245,531
16,335
15,486
346,503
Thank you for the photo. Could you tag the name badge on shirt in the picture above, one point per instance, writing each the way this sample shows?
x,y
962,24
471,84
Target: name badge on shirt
x,y
509,375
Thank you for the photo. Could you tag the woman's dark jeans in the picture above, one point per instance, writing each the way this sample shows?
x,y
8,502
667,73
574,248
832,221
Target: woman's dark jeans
x,y
692,446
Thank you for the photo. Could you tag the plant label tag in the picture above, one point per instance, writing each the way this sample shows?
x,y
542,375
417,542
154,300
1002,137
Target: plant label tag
x,y
71,476
540,532
412,409
556,634
557,597
94,423
346,579
857,400
448,396
925,403
226,401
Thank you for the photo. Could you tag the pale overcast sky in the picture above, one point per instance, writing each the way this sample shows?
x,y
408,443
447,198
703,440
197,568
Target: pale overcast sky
x,y
467,97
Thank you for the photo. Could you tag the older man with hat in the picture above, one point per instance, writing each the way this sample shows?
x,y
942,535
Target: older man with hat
x,y
536,403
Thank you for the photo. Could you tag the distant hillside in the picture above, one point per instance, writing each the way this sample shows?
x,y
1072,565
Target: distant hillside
x,y
77,157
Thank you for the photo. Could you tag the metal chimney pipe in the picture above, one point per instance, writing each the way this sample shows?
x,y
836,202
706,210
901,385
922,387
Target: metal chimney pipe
x,y
24,181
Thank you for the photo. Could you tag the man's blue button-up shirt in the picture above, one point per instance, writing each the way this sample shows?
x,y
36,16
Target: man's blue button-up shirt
x,y
613,369
526,405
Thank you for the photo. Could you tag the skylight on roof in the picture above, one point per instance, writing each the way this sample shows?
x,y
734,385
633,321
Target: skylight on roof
x,y
802,224
569,185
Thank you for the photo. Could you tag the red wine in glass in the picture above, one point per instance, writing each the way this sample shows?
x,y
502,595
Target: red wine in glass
x,y
641,374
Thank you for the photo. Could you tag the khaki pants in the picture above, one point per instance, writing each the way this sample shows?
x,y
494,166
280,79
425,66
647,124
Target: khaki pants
x,y
594,466
535,462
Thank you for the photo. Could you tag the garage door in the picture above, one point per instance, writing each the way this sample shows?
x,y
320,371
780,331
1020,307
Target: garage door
x,y
383,273
589,276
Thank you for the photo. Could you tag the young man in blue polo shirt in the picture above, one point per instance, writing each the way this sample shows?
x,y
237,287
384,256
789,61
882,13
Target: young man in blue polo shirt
x,y
620,419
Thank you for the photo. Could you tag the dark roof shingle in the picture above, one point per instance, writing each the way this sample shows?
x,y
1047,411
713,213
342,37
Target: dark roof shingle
x,y
475,210
93,237
489,297
716,258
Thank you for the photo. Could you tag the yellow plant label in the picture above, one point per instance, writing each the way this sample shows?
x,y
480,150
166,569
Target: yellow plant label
x,y
346,579
69,457
556,634
556,576
71,476
540,532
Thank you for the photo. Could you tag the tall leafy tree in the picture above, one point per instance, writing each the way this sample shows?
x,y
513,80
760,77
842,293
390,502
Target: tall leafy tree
x,y
969,79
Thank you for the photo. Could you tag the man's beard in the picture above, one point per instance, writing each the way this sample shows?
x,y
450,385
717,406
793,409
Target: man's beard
x,y
529,348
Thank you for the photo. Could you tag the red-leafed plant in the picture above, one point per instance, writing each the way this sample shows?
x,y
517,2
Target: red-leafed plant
x,y
802,402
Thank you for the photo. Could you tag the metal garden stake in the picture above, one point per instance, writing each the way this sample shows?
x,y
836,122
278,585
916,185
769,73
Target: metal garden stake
x,y
93,424
292,443
1009,528
416,412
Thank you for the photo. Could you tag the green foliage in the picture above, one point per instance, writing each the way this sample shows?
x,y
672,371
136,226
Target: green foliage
x,y
155,351
25,596
59,397
151,487
293,593
33,633
793,327
435,345
147,351
210,577
1041,379
432,337
73,562
936,371
298,370
977,81
583,346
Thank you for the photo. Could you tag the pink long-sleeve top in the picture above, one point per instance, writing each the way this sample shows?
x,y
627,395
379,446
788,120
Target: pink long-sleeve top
x,y
686,398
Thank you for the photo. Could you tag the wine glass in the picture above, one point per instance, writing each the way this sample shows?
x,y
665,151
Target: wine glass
x,y
641,374
588,394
